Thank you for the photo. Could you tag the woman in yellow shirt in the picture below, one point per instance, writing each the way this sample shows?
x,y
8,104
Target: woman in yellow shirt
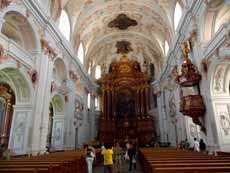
x,y
108,158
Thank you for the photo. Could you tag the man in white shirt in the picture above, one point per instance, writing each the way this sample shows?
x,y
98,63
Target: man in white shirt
x,y
196,145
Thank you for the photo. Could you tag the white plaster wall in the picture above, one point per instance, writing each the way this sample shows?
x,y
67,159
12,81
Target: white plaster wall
x,y
215,49
32,134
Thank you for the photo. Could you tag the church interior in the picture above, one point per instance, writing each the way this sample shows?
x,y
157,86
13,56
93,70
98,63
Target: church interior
x,y
154,72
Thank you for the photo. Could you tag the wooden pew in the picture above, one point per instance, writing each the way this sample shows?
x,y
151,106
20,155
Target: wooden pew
x,y
167,160
24,170
59,162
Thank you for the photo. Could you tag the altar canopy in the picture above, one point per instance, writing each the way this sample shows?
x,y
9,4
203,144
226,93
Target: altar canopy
x,y
125,104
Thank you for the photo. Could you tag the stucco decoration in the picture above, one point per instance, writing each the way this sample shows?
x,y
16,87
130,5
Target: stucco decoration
x,y
4,3
193,130
58,129
218,85
19,132
225,123
123,47
152,20
172,105
3,57
18,83
122,22
78,115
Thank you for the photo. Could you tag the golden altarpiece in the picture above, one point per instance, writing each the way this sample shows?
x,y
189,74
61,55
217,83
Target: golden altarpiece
x,y
125,93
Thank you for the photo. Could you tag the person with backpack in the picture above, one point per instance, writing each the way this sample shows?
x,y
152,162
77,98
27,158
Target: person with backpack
x,y
90,155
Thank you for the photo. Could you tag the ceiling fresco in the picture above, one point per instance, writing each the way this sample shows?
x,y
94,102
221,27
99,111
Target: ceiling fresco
x,y
101,24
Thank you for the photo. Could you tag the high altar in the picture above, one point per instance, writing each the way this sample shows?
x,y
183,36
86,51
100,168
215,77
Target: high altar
x,y
125,104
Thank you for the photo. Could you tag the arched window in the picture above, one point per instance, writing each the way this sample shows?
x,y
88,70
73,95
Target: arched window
x,y
98,72
88,99
166,48
177,15
97,104
64,24
80,53
89,70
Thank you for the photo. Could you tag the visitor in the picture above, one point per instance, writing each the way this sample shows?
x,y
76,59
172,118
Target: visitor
x,y
90,155
202,146
6,153
132,156
102,146
181,145
118,154
108,158
196,145
186,144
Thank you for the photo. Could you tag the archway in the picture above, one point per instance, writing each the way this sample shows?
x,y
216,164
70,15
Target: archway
x,y
16,110
59,70
50,128
18,28
56,124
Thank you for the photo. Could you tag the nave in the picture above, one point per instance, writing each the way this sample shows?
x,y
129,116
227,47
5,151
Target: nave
x,y
123,168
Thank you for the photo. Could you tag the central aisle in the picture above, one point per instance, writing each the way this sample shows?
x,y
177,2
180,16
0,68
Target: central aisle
x,y
119,169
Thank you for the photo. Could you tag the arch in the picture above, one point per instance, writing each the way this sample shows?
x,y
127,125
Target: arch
x,y
59,70
64,24
81,53
215,15
20,28
223,16
56,122
58,105
50,128
16,80
20,120
177,14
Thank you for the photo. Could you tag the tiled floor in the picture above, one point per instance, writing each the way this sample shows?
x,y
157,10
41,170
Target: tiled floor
x,y
123,168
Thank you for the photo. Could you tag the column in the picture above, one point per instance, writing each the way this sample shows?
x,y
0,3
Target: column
x,y
142,102
147,99
40,99
113,104
103,103
109,103
139,99
137,103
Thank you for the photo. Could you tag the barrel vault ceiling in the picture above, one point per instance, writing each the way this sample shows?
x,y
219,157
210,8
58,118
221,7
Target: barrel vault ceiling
x,y
91,24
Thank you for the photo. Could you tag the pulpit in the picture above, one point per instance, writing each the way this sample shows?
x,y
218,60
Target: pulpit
x,y
125,93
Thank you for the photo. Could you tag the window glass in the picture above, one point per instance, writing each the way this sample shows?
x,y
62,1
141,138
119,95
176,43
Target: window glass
x,y
98,72
80,53
177,15
64,24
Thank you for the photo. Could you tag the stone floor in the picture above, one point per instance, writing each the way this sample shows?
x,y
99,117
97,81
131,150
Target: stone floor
x,y
123,168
